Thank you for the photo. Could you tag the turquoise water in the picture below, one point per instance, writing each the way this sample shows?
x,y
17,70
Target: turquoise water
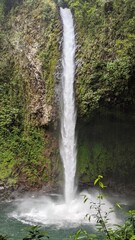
x,y
8,226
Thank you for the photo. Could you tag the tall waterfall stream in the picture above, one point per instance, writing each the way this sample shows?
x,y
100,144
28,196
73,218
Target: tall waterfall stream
x,y
68,113
69,210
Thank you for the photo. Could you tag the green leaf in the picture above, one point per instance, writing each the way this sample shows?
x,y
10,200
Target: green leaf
x,y
101,184
100,176
133,237
95,182
118,205
85,200
131,212
98,179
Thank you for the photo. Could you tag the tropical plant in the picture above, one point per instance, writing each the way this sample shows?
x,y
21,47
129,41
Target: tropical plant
x,y
3,237
35,233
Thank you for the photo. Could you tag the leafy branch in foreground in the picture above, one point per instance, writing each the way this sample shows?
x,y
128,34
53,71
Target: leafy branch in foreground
x,y
2,237
120,232
35,233
82,234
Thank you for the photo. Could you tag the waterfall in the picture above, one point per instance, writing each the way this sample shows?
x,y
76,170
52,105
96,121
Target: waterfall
x,y
68,112
72,211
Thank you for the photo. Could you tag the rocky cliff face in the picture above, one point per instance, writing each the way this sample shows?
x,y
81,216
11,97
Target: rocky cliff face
x,y
30,35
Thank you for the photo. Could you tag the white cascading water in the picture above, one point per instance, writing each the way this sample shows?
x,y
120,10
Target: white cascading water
x,y
68,113
48,210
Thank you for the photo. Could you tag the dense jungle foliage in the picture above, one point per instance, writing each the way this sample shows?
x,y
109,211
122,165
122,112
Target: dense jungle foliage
x,y
105,54
29,32
30,48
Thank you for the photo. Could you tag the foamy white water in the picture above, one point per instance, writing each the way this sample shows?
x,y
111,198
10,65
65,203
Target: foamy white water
x,y
68,113
47,211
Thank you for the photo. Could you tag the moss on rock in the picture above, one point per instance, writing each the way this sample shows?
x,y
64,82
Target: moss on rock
x,y
29,37
105,54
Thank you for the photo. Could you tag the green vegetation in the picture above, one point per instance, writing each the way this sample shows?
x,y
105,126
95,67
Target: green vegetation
x,y
106,56
22,157
3,237
35,234
106,145
29,55
124,232
92,160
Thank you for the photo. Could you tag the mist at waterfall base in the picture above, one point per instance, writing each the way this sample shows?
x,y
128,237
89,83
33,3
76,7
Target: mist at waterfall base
x,y
66,211
17,215
54,211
